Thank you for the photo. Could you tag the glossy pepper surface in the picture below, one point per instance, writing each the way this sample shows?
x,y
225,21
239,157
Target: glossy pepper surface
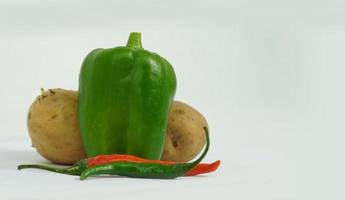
x,y
125,94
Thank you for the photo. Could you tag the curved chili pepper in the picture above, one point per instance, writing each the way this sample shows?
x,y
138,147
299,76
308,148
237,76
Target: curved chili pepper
x,y
146,169
82,165
201,168
78,168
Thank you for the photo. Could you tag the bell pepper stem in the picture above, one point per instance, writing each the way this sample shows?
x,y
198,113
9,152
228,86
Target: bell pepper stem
x,y
134,40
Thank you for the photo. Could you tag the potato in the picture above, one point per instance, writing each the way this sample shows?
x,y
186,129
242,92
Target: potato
x,y
54,129
53,126
185,133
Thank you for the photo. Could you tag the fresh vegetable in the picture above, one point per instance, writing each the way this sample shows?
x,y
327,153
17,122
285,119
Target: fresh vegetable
x,y
53,126
201,168
183,141
102,160
79,167
125,94
185,135
144,169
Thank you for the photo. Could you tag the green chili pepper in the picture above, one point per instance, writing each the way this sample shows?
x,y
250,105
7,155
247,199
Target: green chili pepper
x,y
146,170
125,94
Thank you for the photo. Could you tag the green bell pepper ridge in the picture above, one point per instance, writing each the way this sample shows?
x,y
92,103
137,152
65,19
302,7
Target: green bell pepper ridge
x,y
125,94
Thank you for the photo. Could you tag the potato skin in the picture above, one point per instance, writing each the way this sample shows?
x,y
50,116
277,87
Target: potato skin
x,y
185,133
54,129
53,126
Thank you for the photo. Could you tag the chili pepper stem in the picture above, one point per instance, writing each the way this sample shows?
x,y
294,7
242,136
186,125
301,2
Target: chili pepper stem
x,y
71,170
197,161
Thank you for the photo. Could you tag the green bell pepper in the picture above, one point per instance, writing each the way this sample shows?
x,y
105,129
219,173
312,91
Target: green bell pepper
x,y
125,94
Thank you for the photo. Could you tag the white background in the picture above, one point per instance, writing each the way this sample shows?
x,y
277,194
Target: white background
x,y
268,76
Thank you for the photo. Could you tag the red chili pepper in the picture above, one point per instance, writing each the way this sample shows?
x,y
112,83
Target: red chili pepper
x,y
146,169
201,168
204,168
80,166
105,159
